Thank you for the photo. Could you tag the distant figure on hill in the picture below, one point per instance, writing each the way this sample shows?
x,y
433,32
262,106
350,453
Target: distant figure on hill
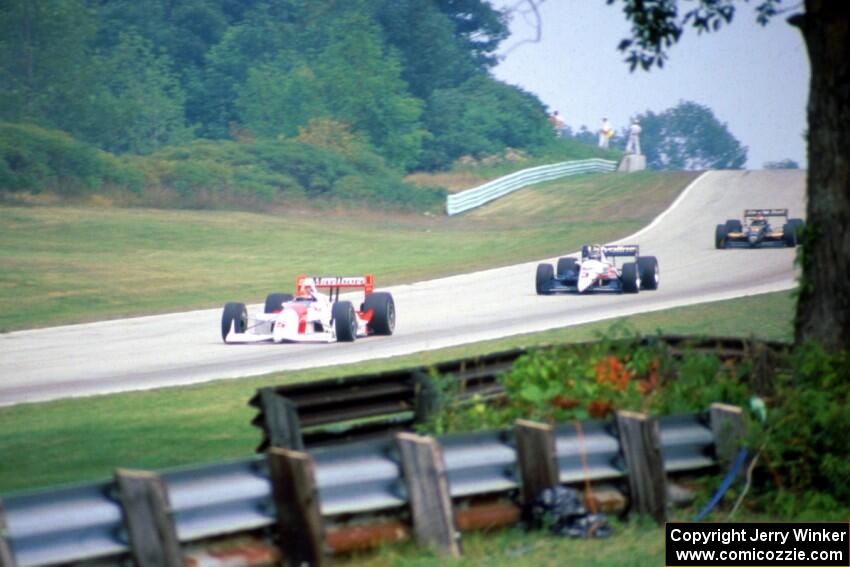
x,y
633,145
556,122
605,133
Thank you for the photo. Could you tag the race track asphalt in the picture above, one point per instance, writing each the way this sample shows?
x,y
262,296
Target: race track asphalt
x,y
185,348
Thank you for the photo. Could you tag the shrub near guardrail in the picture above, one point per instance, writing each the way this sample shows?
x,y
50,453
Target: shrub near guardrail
x,y
594,380
206,173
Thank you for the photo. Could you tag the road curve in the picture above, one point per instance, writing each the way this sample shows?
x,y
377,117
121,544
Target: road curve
x,y
185,348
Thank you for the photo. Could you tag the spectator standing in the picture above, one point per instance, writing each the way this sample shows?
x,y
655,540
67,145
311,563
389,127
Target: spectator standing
x,y
633,145
605,133
556,122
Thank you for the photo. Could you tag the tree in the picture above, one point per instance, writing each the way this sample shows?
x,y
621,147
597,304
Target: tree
x,y
689,137
45,63
823,303
482,117
431,54
140,101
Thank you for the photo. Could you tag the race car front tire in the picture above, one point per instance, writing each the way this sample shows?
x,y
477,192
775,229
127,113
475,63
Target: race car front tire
x,y
545,274
720,236
383,312
630,278
345,321
275,301
567,266
234,315
650,275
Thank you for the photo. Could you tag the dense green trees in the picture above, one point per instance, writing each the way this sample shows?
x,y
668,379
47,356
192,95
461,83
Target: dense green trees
x,y
407,77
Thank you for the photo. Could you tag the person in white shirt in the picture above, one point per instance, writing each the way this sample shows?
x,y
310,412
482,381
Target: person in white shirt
x,y
605,133
633,145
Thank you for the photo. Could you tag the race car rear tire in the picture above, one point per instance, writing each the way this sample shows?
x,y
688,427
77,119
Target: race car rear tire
x,y
235,315
789,235
345,321
650,275
567,266
275,301
383,312
545,274
734,225
720,236
630,278
585,251
799,225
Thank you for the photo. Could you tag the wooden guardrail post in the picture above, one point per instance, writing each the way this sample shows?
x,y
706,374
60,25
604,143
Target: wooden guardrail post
x,y
282,423
536,457
147,516
727,424
640,442
6,557
428,488
296,498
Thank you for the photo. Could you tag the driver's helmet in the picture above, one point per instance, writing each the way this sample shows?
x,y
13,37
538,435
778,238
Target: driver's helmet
x,y
594,252
758,218
308,289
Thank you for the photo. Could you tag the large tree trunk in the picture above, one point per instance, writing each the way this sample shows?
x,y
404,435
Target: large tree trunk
x,y
823,307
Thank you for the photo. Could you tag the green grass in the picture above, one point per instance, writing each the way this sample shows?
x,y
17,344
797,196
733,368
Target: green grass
x,y
85,439
633,544
72,264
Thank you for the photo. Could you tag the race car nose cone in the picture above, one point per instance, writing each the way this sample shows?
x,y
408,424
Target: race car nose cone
x,y
285,326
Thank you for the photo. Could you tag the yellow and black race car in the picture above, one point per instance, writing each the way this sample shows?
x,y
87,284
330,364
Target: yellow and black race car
x,y
755,230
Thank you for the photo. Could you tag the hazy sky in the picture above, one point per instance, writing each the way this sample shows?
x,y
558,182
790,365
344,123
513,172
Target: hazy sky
x,y
754,78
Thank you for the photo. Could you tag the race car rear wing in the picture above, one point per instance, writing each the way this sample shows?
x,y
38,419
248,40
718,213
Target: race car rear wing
x,y
366,283
621,250
765,212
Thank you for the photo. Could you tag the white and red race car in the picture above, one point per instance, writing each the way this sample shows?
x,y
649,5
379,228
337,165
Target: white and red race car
x,y
310,316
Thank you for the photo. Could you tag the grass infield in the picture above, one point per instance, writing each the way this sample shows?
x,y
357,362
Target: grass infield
x,y
70,264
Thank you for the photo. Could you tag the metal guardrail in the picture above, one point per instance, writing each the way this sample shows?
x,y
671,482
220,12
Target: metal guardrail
x,y
385,402
472,198
85,522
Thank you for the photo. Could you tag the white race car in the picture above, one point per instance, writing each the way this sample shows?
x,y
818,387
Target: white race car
x,y
310,316
598,271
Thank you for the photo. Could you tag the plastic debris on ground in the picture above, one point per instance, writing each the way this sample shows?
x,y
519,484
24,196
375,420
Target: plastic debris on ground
x,y
562,512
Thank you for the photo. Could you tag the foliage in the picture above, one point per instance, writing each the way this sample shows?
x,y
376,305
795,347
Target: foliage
x,y
689,137
133,77
481,117
271,170
36,160
805,441
657,25
212,174
140,101
621,371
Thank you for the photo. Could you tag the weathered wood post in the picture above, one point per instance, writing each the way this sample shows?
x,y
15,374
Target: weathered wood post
x,y
296,498
536,458
6,557
282,423
428,488
147,516
727,424
640,442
